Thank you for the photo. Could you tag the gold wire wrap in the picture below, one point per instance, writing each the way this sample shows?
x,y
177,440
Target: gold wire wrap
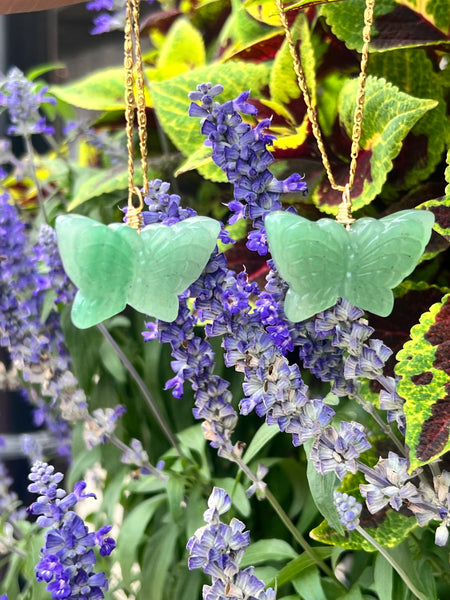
x,y
344,215
134,99
134,213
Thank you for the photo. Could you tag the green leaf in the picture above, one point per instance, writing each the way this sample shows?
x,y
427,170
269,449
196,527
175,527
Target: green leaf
x,y
84,347
418,571
393,530
36,72
353,594
111,362
322,488
308,585
383,576
437,13
283,80
412,71
171,102
262,437
294,568
423,366
200,158
183,46
101,90
175,492
132,533
33,553
263,10
266,550
441,207
240,31
346,22
156,561
388,117
102,182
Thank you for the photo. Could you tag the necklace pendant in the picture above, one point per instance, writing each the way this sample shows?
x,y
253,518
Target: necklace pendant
x,y
322,261
114,265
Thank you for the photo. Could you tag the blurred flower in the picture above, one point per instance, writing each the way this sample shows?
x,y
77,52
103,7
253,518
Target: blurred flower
x,y
111,20
100,425
23,98
37,348
8,498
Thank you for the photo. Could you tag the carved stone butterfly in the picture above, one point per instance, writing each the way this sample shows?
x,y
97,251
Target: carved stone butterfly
x,y
322,261
114,265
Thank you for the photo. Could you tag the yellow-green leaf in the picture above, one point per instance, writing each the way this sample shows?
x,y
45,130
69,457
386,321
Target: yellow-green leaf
x,y
412,71
389,115
171,101
183,47
283,80
101,90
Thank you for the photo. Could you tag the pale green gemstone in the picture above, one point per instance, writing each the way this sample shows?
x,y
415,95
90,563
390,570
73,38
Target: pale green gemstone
x,y
114,266
322,261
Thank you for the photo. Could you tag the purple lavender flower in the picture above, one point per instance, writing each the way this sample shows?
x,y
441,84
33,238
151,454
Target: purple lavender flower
x,y
338,450
348,509
113,19
36,348
67,558
218,549
46,250
241,152
23,98
388,483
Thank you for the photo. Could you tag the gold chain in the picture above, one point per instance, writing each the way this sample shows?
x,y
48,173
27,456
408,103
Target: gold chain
x,y
134,99
344,215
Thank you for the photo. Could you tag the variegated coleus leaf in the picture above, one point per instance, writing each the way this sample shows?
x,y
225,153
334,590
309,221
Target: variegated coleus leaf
x,y
424,365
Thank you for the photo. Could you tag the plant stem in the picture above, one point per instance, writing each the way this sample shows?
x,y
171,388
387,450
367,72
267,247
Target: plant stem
x,y
392,562
386,429
143,388
288,523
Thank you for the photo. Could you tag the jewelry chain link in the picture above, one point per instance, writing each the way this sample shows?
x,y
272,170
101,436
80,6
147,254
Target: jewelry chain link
x,y
344,212
134,99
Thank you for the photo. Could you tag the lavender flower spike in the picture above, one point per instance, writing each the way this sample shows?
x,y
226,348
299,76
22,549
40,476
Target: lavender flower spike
x,y
218,549
67,558
23,98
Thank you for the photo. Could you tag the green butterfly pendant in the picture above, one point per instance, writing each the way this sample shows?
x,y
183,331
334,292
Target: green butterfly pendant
x,y
322,261
114,265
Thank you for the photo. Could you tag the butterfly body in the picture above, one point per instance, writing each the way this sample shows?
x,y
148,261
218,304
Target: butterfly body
x,y
114,265
322,261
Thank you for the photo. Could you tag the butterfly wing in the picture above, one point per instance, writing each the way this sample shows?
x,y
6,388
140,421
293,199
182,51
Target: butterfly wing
x,y
384,252
309,257
100,264
172,258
